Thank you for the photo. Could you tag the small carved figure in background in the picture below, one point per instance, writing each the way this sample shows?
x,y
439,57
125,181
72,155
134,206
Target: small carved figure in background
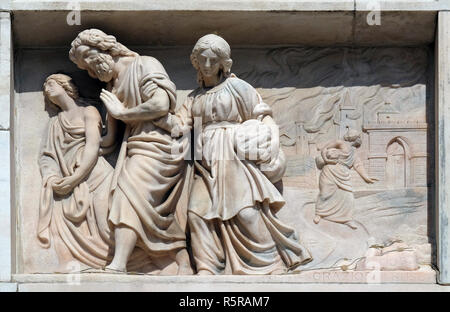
x,y
73,206
335,201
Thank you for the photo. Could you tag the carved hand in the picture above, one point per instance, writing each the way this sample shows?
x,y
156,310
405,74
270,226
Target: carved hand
x,y
52,180
112,103
65,185
371,180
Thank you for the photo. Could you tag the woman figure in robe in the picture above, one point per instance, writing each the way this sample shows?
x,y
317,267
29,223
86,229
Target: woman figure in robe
x,y
75,180
232,205
335,201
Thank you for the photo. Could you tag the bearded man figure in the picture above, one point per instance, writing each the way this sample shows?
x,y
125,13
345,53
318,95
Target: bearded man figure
x,y
149,177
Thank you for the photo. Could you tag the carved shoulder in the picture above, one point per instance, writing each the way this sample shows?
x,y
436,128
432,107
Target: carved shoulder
x,y
152,63
241,86
91,113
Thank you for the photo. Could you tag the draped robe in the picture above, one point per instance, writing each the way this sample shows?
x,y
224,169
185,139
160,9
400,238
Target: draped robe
x,y
73,217
335,201
229,192
149,175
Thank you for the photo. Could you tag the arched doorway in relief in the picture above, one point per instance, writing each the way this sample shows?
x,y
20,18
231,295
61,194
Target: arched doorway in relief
x,y
398,163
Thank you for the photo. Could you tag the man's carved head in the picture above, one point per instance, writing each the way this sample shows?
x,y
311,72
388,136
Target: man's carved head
x,y
211,55
94,51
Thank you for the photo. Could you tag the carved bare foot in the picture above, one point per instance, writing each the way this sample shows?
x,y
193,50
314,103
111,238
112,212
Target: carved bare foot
x,y
316,219
113,268
125,238
204,272
351,224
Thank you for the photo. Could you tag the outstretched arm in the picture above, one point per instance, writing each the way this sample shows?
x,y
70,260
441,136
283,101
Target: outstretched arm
x,y
178,123
155,107
359,167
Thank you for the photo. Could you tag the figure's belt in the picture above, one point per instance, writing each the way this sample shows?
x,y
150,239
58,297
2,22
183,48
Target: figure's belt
x,y
218,125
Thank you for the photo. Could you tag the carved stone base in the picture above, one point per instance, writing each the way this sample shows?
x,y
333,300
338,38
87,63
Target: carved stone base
x,y
303,281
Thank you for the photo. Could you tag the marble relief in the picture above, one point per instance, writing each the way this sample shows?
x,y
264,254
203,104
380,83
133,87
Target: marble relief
x,y
335,202
309,161
73,207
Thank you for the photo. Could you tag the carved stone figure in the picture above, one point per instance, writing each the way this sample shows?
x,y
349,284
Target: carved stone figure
x,y
335,201
73,207
232,205
148,177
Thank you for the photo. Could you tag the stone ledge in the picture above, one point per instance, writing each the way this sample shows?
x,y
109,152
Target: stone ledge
x,y
5,207
227,287
271,27
228,5
424,275
5,70
182,5
8,287
404,5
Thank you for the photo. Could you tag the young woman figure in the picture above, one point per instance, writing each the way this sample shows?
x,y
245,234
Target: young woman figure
x,y
75,180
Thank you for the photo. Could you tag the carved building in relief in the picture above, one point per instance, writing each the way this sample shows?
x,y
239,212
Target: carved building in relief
x,y
397,149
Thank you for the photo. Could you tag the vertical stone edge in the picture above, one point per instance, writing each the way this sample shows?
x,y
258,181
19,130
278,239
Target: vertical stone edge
x,y
442,61
5,70
6,231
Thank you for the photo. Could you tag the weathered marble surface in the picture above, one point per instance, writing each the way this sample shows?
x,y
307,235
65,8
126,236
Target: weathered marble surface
x,y
245,5
423,276
443,143
309,23
317,92
5,209
5,70
233,287
6,93
8,287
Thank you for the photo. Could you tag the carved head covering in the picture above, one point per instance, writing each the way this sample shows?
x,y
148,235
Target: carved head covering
x,y
219,46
